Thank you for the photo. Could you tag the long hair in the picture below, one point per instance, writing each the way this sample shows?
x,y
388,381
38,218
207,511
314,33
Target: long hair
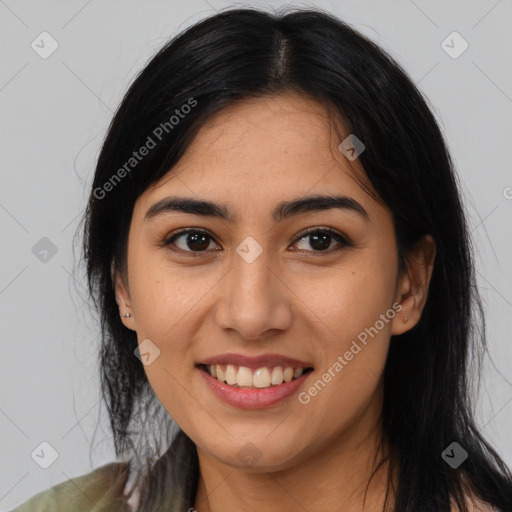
x,y
428,389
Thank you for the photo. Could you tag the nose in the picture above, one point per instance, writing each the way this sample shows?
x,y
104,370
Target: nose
x,y
255,300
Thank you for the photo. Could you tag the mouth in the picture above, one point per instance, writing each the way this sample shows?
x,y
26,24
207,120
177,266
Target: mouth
x,y
264,377
254,382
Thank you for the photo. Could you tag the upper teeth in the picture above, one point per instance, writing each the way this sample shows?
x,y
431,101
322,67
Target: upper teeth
x,y
260,378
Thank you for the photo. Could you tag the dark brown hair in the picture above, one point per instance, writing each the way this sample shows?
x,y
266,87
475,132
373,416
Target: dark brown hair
x,y
244,53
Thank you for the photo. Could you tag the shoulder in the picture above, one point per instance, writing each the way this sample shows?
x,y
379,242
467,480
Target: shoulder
x,y
101,489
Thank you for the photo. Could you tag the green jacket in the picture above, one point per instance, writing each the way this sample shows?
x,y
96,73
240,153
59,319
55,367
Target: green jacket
x,y
98,491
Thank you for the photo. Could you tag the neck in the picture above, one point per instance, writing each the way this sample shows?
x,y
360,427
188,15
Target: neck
x,y
339,477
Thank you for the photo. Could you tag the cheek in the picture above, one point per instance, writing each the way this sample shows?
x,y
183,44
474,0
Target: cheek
x,y
356,326
348,298
168,306
356,308
165,297
160,302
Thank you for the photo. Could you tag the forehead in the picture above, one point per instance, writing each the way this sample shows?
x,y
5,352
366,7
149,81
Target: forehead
x,y
262,151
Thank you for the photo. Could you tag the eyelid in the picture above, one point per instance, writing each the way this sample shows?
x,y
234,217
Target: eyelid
x,y
342,239
169,239
324,229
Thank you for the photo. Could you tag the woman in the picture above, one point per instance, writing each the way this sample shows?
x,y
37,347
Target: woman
x,y
278,250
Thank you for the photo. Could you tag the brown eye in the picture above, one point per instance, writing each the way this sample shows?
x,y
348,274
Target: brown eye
x,y
192,240
320,240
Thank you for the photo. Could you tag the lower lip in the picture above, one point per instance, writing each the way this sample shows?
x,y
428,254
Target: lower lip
x,y
252,398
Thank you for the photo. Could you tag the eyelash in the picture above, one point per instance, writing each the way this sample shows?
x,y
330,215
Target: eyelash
x,y
342,240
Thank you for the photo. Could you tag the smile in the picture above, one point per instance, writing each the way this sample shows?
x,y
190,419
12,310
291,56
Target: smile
x,y
253,382
259,378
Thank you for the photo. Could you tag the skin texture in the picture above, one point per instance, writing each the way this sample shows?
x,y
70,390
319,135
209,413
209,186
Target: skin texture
x,y
292,300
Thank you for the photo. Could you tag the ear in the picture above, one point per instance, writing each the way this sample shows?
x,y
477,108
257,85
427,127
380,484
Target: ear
x,y
412,287
123,298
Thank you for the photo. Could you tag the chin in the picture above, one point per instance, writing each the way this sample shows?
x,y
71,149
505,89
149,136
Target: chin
x,y
256,454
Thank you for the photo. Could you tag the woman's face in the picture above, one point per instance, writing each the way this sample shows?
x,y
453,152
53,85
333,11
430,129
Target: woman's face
x,y
255,291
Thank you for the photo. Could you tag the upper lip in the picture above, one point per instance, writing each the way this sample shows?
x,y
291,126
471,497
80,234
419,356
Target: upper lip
x,y
256,362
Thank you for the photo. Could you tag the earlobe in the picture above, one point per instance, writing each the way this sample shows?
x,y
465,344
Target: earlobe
x,y
123,301
414,284
401,322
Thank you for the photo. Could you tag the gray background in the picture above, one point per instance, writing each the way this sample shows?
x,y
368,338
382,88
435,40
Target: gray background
x,y
54,115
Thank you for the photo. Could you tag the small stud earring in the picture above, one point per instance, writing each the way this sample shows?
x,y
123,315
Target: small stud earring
x,y
405,319
126,315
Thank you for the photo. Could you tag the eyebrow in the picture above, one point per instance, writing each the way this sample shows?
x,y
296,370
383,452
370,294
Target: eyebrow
x,y
283,210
